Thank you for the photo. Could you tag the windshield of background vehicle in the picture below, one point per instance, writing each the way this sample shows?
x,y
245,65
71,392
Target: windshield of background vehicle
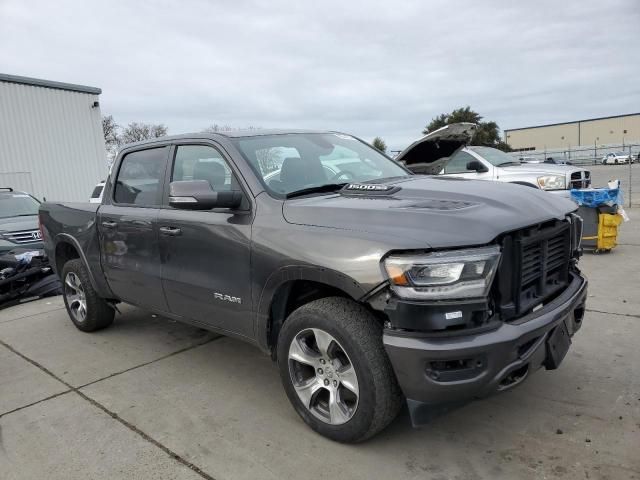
x,y
17,205
494,156
290,162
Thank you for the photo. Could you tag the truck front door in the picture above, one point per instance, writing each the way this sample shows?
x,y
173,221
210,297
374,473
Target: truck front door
x,y
128,229
206,254
457,167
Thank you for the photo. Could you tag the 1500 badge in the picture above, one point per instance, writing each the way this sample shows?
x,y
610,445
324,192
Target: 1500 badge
x,y
368,187
227,298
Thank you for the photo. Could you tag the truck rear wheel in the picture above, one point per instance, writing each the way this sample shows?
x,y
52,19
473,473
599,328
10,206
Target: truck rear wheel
x,y
87,310
335,370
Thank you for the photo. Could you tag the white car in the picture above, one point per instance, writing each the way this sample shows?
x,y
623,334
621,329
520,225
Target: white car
x,y
96,195
616,158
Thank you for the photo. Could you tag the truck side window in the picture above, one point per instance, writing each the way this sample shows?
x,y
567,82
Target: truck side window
x,y
140,178
201,162
458,164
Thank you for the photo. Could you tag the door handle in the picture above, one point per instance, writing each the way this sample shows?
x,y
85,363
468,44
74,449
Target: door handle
x,y
170,231
109,224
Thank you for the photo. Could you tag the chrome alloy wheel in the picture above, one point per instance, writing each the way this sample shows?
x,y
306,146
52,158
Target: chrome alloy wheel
x,y
323,376
74,293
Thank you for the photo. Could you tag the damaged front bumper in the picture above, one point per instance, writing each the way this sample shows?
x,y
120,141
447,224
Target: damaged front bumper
x,y
438,372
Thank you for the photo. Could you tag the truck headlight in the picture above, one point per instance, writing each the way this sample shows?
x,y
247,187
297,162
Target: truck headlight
x,y
552,182
443,275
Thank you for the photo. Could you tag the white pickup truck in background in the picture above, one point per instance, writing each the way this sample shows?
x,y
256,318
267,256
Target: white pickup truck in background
x,y
486,163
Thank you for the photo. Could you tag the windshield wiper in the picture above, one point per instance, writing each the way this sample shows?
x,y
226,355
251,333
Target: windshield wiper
x,y
327,187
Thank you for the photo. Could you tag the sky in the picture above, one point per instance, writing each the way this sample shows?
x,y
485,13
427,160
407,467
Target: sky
x,y
365,68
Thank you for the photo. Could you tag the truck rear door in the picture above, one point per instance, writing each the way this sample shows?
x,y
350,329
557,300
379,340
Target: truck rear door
x,y
128,227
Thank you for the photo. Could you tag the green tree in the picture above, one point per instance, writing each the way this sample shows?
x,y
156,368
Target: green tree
x,y
487,133
379,144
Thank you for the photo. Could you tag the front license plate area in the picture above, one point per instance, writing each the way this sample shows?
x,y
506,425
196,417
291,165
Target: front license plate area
x,y
557,346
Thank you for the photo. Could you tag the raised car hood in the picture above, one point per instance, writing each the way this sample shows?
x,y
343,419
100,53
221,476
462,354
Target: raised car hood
x,y
434,211
430,153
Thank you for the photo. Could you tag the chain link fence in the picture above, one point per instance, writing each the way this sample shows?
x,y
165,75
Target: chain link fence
x,y
582,155
592,157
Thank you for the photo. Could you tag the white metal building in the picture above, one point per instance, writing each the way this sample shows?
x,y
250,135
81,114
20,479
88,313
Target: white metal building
x,y
51,140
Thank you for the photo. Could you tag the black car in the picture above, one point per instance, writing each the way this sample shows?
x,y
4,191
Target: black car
x,y
18,221
368,284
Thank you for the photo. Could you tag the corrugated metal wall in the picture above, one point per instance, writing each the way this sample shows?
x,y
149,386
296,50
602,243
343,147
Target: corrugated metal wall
x,y
51,139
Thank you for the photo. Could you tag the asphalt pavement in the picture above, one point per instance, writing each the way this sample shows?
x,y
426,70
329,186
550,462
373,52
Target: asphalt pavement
x,y
150,398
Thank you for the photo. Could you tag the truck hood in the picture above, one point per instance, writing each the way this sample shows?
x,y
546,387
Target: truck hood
x,y
436,212
431,153
541,168
16,224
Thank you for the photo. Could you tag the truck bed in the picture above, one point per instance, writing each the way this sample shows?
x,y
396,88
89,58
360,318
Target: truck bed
x,y
71,221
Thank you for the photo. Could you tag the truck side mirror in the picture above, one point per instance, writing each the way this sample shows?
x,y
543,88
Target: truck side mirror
x,y
198,195
476,166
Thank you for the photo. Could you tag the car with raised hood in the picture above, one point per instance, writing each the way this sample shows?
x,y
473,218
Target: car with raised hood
x,y
370,286
487,163
18,221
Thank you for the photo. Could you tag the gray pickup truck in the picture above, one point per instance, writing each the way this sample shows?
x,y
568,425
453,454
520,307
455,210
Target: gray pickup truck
x,y
368,284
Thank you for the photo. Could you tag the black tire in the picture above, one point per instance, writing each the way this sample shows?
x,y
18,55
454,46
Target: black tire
x,y
359,334
98,313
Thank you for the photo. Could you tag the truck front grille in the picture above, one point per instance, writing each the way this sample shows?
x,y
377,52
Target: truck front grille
x,y
534,267
24,236
580,179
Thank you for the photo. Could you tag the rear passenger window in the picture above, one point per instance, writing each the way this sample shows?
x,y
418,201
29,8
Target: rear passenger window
x,y
200,162
140,178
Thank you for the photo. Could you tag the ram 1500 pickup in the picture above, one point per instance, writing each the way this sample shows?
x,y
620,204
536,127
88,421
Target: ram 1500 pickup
x,y
369,285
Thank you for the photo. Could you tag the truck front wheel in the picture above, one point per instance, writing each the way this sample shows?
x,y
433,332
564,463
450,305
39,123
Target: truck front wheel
x,y
87,310
335,370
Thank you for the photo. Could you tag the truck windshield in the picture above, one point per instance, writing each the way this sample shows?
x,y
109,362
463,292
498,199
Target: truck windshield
x,y
494,156
288,163
17,205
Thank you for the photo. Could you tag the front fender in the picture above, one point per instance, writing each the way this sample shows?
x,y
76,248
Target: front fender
x,y
290,273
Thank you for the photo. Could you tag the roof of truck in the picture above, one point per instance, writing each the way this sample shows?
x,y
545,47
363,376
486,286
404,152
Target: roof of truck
x,y
268,131
254,132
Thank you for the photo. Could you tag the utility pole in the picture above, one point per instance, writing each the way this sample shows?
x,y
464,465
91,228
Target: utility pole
x,y
630,170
